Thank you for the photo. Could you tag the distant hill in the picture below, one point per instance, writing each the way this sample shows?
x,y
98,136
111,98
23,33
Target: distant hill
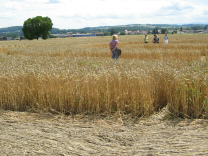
x,y
14,29
17,30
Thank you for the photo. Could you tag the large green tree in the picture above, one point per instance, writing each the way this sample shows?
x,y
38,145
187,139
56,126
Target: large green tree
x,y
155,30
36,27
112,32
163,31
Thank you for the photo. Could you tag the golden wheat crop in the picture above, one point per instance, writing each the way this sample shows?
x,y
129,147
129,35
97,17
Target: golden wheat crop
x,y
77,75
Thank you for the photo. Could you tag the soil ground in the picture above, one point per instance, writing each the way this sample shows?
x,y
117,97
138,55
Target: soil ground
x,y
24,133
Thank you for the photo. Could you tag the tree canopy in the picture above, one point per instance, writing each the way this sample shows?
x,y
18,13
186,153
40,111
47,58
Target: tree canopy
x,y
163,31
155,30
197,27
112,32
36,27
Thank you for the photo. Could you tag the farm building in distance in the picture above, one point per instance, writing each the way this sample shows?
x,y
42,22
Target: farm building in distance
x,y
3,38
77,35
83,35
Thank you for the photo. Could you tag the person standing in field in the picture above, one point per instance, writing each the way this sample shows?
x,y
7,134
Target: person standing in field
x,y
166,38
145,39
155,39
113,45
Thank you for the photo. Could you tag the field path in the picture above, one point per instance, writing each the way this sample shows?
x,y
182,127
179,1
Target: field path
x,y
23,133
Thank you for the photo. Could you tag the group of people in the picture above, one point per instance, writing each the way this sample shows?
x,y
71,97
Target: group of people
x,y
156,39
113,45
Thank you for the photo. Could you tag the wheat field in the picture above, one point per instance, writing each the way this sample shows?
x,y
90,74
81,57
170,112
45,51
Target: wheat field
x,y
78,76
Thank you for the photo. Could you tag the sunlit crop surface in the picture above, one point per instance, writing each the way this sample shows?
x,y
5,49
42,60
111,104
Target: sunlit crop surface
x,y
77,75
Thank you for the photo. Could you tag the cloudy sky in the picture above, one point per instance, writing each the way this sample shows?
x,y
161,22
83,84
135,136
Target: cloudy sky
x,y
74,14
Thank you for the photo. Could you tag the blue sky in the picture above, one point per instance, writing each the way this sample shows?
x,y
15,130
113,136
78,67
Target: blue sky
x,y
73,14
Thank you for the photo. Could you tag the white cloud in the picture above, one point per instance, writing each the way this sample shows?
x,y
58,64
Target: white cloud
x,y
67,14
11,6
53,1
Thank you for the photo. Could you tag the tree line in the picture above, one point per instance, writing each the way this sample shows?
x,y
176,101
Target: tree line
x,y
34,28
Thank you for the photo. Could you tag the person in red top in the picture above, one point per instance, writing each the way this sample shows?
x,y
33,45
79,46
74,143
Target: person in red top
x,y
113,45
